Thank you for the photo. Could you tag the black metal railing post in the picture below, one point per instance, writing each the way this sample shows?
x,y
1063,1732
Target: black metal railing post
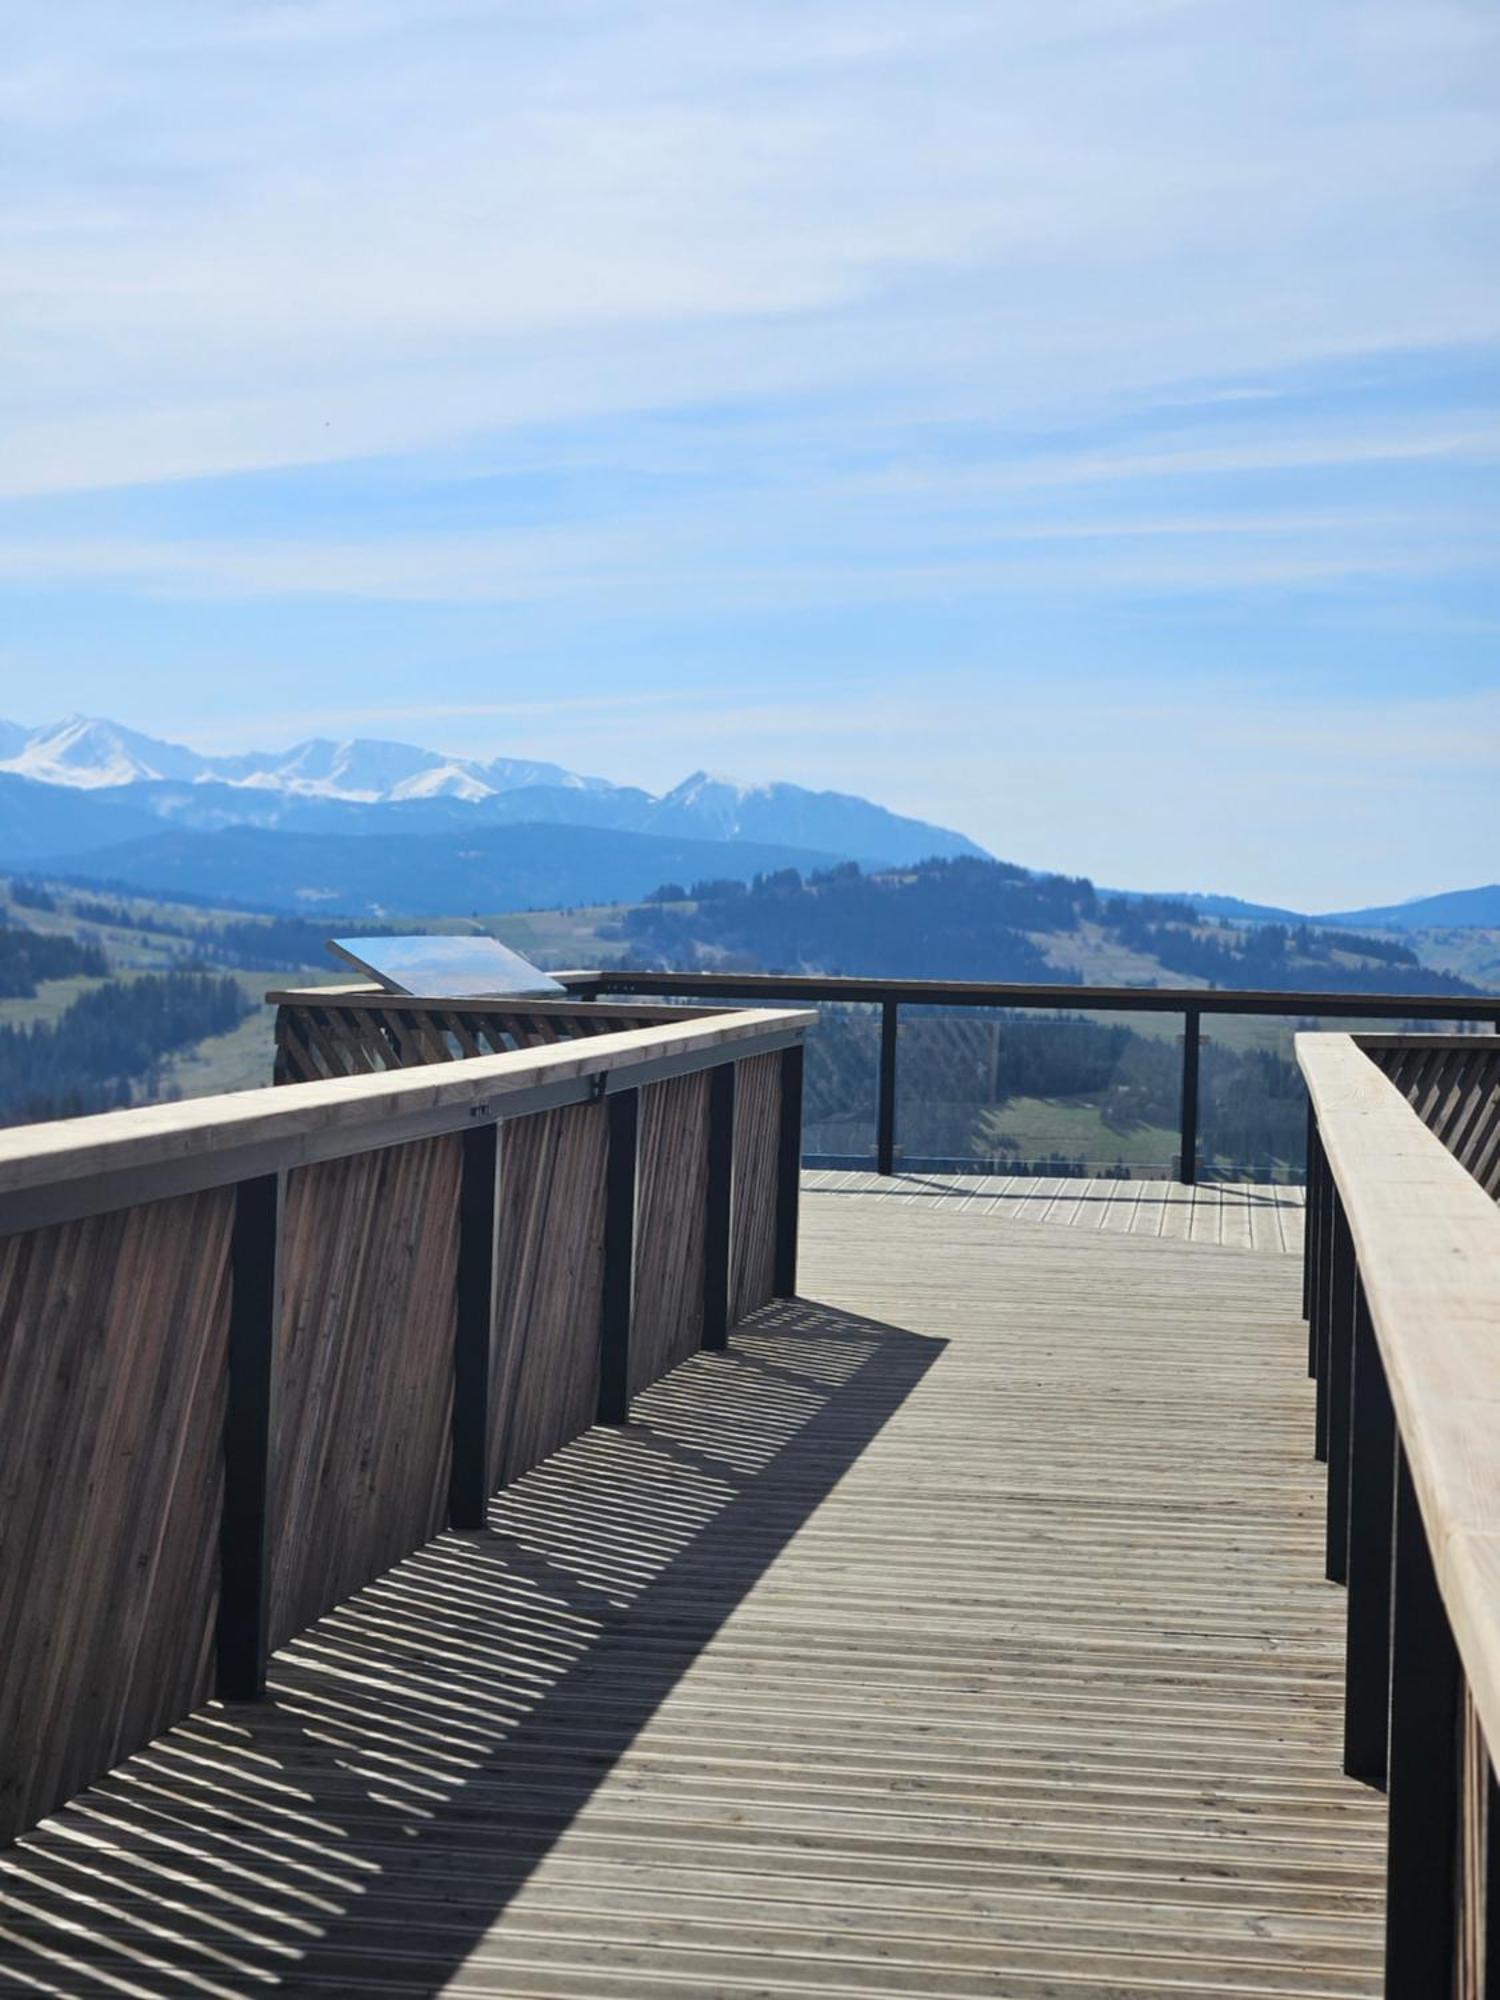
x,y
1329,1215
1187,1165
1422,1779
788,1172
479,1187
242,1638
719,1199
885,1101
623,1111
1340,1394
1307,1181
1367,1637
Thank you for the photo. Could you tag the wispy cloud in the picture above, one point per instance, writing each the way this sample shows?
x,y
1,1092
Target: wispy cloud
x,y
353,350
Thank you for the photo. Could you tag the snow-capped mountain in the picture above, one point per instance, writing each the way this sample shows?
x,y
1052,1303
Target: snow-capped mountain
x,y
91,752
365,786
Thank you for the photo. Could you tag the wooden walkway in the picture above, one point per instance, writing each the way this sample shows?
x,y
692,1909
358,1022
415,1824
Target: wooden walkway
x,y
961,1635
1238,1215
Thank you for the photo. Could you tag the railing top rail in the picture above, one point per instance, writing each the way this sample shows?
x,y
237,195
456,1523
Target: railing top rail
x,y
989,993
79,1166
1427,1238
377,999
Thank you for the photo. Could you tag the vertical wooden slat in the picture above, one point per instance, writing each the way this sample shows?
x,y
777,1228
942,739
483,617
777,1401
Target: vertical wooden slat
x,y
718,1196
469,1478
757,1135
673,1213
788,1191
370,1249
621,1195
249,1430
113,1337
544,1374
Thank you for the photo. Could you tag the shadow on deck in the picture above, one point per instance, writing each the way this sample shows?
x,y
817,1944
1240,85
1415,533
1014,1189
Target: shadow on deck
x,y
990,1658
430,1741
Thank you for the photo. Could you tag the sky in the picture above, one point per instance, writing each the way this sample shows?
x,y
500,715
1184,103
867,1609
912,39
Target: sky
x,y
1078,424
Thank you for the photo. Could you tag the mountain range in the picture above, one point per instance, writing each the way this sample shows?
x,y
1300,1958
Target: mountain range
x,y
109,787
369,827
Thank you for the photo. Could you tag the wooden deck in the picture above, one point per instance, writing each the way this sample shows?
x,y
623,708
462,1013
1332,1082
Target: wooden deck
x,y
961,1634
1236,1215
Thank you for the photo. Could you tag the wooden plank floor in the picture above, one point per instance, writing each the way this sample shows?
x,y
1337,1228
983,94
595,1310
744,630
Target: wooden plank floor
x,y
962,1635
1238,1215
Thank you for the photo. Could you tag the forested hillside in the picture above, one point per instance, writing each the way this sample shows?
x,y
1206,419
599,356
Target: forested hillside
x,y
108,997
1027,1092
967,919
106,1048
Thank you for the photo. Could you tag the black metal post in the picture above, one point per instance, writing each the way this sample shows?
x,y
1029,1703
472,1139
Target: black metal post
x,y
1367,1639
1423,1770
1312,1230
1490,1914
623,1110
242,1638
1340,1392
1307,1180
1329,1214
788,1172
479,1185
1187,1167
885,1102
720,1199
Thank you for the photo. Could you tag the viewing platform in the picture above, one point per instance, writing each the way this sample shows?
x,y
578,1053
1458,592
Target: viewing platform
x,y
953,1597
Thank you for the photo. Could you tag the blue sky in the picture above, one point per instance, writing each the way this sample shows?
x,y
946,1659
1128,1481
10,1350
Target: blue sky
x,y
1078,424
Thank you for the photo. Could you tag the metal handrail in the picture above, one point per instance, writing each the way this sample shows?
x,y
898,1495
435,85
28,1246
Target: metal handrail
x,y
1191,1002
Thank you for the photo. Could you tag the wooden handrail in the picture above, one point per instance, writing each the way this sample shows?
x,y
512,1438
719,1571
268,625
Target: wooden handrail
x,y
255,1348
1402,1294
1427,1244
77,1166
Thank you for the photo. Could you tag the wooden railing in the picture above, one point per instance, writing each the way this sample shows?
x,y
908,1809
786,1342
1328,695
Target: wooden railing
x,y
1402,1298
891,995
255,1349
324,1031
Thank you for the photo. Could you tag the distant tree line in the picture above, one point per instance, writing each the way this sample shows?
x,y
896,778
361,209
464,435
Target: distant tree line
x,y
972,919
275,944
109,1044
962,1072
28,957
914,925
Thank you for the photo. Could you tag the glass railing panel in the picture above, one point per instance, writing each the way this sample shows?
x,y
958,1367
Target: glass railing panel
x,y
1023,1092
1252,1103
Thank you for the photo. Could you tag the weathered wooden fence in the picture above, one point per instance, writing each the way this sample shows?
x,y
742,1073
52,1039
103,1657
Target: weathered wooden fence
x,y
1402,1298
254,1349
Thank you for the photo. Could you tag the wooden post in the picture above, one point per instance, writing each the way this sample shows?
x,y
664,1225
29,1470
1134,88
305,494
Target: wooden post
x,y
1372,1459
249,1439
624,1111
1340,1393
788,1172
479,1187
1187,1170
1423,1775
720,1200
885,1101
